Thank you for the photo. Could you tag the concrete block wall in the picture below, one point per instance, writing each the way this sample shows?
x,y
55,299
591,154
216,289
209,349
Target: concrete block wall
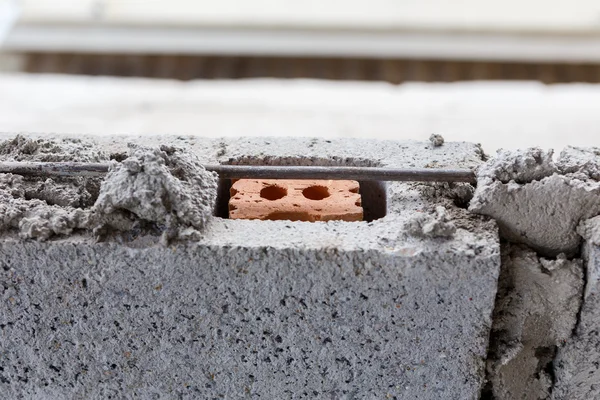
x,y
424,299
270,309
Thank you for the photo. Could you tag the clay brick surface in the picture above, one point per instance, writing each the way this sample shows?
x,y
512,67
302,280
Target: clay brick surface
x,y
295,200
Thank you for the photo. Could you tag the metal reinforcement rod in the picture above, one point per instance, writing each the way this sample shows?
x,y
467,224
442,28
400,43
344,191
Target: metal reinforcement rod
x,y
259,172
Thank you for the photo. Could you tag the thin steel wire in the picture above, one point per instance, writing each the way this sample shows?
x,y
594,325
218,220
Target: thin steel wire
x,y
259,172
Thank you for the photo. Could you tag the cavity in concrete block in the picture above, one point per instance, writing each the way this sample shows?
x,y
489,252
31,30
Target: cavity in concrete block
x,y
275,309
536,310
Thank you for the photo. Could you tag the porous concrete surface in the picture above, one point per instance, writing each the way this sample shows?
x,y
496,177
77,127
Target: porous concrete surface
x,y
577,366
535,314
275,309
538,202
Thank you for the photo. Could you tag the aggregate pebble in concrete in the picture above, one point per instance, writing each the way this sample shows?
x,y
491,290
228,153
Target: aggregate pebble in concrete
x,y
275,309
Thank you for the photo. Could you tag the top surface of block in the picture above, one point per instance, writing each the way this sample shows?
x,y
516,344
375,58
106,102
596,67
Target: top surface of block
x,y
401,200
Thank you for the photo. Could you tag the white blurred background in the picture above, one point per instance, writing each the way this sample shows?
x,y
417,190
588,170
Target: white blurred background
x,y
509,73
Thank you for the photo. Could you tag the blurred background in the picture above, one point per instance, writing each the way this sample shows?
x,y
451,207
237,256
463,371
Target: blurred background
x,y
509,73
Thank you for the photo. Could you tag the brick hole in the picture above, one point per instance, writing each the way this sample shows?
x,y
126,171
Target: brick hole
x,y
316,192
273,192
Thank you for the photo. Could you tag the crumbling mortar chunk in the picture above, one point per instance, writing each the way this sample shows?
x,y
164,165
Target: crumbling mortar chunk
x,y
460,193
43,207
166,186
164,189
434,224
436,140
538,202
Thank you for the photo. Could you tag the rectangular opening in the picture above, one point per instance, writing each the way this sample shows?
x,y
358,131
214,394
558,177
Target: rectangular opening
x,y
373,193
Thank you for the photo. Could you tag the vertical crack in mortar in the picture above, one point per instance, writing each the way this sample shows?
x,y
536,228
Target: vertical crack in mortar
x,y
581,255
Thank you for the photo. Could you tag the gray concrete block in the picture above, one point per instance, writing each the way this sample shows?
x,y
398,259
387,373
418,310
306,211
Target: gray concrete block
x,y
275,309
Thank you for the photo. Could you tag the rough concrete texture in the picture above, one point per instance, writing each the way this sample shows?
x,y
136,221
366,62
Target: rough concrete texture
x,y
435,224
577,366
536,312
590,230
584,161
270,309
42,208
538,202
165,186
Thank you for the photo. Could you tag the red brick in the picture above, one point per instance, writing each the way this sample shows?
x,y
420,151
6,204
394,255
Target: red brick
x,y
295,200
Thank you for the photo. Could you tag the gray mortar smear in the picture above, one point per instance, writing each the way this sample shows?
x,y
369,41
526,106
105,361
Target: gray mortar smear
x,y
435,224
535,313
43,207
167,187
61,191
538,202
